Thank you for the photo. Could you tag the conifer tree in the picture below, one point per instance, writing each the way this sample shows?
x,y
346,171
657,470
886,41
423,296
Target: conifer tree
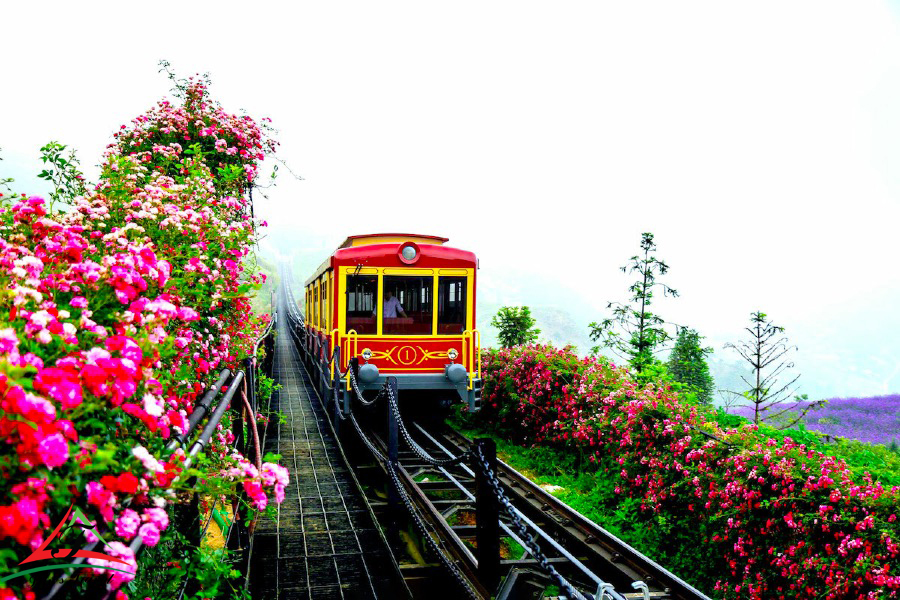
x,y
687,364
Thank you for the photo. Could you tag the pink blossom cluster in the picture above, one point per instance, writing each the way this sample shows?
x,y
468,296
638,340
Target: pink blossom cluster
x,y
255,481
787,521
114,318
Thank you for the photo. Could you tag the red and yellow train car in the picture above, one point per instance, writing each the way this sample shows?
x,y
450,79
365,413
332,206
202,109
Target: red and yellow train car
x,y
405,306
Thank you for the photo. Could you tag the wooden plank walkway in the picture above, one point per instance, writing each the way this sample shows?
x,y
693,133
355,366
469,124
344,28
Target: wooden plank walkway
x,y
325,543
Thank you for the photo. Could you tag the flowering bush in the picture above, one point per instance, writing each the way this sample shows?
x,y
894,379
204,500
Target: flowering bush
x,y
785,520
116,317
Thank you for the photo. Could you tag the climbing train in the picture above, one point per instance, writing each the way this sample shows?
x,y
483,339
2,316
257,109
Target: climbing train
x,y
402,305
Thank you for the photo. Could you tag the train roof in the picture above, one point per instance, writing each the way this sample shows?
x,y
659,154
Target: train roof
x,y
381,249
388,238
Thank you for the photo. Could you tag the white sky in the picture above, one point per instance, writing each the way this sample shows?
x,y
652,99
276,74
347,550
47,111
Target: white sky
x,y
758,140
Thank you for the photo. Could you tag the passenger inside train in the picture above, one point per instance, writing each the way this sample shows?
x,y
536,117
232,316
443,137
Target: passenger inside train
x,y
392,306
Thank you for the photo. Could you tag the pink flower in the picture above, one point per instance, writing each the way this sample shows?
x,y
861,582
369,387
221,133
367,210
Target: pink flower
x,y
127,524
121,551
149,534
53,450
158,517
188,314
9,342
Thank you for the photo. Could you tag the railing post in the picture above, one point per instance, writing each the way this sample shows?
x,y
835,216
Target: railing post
x,y
352,365
237,423
393,452
487,518
336,390
190,527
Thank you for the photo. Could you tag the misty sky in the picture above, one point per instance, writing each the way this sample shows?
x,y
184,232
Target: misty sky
x,y
759,141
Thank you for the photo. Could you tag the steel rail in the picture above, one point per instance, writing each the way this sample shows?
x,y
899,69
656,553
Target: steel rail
x,y
600,542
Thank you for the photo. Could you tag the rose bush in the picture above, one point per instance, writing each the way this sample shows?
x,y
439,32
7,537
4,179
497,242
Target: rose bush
x,y
114,319
784,520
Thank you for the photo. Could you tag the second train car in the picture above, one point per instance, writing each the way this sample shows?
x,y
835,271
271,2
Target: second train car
x,y
404,305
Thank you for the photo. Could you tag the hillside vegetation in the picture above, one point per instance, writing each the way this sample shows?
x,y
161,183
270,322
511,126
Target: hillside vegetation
x,y
740,510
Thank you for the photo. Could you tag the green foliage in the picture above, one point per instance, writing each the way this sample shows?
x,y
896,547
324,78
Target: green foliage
x,y
633,458
634,332
212,573
687,364
62,171
516,326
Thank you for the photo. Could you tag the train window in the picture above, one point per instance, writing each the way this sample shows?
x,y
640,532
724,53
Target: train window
x,y
451,305
415,296
315,305
323,311
361,291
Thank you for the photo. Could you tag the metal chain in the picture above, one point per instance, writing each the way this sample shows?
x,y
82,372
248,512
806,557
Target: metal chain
x,y
423,529
401,491
415,447
359,395
338,409
523,532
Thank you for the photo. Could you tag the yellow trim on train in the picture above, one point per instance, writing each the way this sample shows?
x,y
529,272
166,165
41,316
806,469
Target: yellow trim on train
x,y
343,272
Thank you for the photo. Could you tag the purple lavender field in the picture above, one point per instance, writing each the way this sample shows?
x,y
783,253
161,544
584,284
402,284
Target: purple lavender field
x,y
875,420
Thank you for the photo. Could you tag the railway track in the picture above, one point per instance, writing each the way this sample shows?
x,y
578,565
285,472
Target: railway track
x,y
595,561
438,482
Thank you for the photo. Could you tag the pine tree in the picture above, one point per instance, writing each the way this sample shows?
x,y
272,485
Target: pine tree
x,y
687,364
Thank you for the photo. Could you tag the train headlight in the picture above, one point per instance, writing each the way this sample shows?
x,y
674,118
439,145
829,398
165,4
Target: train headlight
x,y
408,253
452,354
367,354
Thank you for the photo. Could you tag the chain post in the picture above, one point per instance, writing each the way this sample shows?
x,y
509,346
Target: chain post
x,y
336,390
354,366
393,452
487,517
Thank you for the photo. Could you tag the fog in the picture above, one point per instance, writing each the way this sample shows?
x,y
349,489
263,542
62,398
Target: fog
x,y
757,141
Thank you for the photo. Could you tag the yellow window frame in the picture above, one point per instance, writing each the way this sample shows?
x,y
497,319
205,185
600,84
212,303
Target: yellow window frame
x,y
380,272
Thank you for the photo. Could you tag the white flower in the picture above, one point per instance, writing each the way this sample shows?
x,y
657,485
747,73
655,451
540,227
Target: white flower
x,y
153,405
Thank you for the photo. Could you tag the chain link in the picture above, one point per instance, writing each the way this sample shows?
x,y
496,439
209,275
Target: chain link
x,y
523,532
359,395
